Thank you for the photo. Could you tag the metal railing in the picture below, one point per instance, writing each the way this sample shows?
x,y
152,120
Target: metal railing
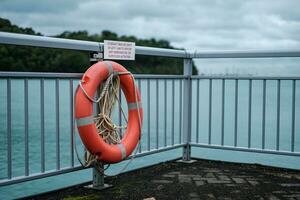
x,y
150,143
248,82
160,131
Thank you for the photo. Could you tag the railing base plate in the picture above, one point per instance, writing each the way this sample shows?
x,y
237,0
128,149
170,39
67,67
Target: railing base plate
x,y
102,187
186,161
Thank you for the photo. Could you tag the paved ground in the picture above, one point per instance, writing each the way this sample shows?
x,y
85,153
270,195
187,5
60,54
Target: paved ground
x,y
200,180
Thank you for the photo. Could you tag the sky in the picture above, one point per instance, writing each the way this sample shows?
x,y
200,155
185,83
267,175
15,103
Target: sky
x,y
191,24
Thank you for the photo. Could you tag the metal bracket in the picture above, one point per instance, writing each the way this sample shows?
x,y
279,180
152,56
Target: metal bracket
x,y
186,155
98,181
96,56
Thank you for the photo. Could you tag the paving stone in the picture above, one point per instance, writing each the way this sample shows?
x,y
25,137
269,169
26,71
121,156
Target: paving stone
x,y
239,180
224,178
213,170
242,176
209,175
186,175
197,178
211,196
162,181
175,172
184,179
169,175
292,196
230,185
151,198
253,183
203,179
193,194
279,192
199,183
215,181
272,197
258,197
290,184
253,179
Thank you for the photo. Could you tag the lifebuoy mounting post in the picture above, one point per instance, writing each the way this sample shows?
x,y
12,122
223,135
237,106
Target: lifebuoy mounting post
x,y
97,177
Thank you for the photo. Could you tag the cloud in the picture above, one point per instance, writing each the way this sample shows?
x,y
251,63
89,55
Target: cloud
x,y
33,6
193,24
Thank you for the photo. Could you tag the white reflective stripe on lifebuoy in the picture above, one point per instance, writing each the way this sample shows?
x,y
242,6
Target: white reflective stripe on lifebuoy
x,y
123,150
85,121
109,67
133,106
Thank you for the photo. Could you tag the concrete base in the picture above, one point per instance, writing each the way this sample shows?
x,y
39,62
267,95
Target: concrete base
x,y
103,187
186,161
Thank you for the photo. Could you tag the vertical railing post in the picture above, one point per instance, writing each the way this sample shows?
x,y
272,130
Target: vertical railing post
x,y
187,108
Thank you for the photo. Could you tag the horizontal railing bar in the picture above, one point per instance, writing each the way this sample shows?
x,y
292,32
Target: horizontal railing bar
x,y
246,54
50,42
152,51
159,150
32,177
39,75
7,74
245,149
159,76
243,77
62,43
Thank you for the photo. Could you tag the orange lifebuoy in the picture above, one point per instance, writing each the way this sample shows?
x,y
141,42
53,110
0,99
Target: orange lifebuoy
x,y
94,143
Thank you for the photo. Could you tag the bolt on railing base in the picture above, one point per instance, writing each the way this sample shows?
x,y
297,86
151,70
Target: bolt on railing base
x,y
98,181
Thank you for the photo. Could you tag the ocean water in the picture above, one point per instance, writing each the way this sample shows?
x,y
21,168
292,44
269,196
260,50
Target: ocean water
x,y
161,117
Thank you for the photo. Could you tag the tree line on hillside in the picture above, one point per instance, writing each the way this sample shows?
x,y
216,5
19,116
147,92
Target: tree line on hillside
x,y
34,59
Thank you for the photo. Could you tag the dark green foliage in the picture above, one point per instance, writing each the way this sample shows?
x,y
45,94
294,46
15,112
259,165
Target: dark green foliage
x,y
21,58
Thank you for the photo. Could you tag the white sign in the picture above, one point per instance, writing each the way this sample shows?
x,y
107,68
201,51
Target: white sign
x,y
118,50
